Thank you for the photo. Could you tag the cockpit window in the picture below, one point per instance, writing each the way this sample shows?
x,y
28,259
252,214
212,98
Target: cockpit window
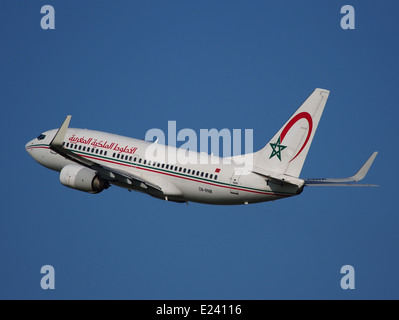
x,y
41,137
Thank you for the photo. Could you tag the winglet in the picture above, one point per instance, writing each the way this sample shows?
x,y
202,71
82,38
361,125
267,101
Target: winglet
x,y
60,136
364,169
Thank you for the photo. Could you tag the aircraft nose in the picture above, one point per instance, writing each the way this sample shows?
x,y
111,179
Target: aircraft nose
x,y
28,145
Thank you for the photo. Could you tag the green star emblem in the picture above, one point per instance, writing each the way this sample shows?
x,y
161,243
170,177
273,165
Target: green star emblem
x,y
277,148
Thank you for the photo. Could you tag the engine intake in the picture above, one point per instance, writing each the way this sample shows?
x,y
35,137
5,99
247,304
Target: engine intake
x,y
77,177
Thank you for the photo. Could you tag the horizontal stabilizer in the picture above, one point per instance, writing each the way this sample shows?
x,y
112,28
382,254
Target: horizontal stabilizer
x,y
279,178
345,182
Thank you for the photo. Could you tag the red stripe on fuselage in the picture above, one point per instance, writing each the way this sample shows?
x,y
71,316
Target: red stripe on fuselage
x,y
186,178
41,147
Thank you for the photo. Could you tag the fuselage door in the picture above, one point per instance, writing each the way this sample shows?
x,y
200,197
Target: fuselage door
x,y
235,178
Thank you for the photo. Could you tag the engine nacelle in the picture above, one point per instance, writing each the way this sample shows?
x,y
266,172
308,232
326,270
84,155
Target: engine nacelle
x,y
81,178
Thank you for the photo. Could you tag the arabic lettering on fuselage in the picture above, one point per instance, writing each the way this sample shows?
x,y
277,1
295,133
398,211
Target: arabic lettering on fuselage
x,y
103,144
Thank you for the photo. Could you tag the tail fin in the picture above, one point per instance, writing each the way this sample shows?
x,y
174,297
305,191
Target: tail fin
x,y
287,151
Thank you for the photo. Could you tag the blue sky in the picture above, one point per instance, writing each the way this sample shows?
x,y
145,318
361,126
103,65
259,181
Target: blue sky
x,y
128,66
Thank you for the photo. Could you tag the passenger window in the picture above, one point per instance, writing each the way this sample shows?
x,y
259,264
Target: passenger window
x,y
189,171
202,174
135,159
105,153
80,147
198,173
163,165
140,160
92,150
216,177
96,151
101,152
118,155
206,175
211,176
130,159
113,155
167,166
180,169
184,170
67,145
63,144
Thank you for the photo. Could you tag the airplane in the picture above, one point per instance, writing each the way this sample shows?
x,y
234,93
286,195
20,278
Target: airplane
x,y
92,161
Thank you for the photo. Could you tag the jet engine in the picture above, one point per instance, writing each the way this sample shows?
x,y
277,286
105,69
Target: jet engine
x,y
81,178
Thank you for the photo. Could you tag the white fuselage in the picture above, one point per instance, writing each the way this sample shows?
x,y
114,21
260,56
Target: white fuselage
x,y
202,178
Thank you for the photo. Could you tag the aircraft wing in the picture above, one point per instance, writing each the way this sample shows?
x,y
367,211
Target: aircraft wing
x,y
107,173
345,182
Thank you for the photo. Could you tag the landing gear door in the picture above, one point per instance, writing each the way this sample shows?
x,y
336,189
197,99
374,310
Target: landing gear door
x,y
235,178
